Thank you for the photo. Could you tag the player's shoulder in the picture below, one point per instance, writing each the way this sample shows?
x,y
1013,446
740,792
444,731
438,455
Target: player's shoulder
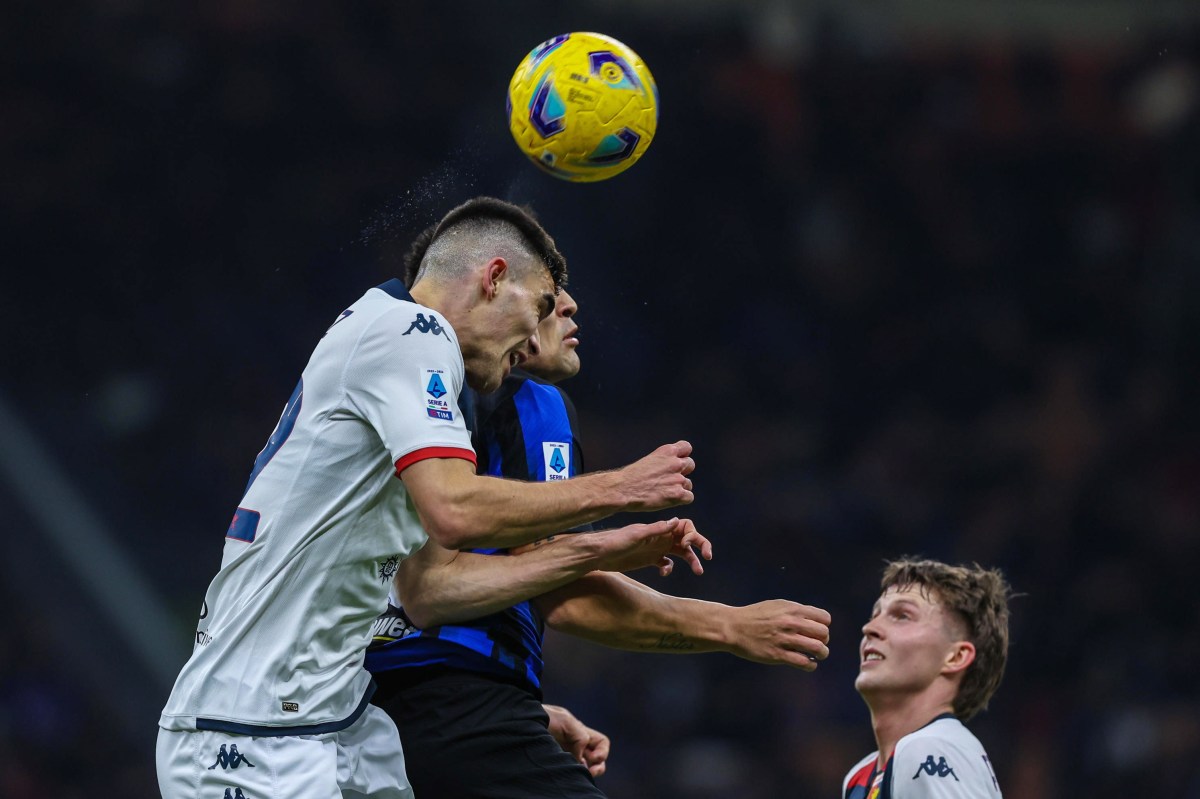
x,y
486,404
522,388
389,312
945,730
528,389
944,751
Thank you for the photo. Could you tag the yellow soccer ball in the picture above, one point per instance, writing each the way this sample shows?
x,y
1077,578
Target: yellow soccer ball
x,y
582,106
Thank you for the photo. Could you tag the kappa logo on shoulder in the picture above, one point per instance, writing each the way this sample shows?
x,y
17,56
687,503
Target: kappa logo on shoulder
x,y
423,325
235,793
939,769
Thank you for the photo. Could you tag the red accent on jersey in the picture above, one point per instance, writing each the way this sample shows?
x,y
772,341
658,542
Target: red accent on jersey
x,y
862,777
434,452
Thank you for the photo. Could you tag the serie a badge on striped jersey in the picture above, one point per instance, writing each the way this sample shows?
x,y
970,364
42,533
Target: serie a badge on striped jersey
x,y
557,459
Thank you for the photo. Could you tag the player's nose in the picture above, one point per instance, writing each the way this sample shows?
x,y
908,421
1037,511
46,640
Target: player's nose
x,y
567,306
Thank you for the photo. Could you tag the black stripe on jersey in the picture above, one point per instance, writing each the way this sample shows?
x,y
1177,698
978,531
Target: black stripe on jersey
x,y
496,415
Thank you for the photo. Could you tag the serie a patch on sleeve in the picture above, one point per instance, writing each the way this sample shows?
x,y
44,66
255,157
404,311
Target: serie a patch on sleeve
x,y
557,459
437,404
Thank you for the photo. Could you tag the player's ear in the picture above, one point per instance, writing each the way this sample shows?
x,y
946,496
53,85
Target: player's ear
x,y
961,655
493,274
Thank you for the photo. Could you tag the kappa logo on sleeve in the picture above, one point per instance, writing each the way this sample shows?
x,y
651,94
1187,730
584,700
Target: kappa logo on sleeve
x,y
423,325
436,405
557,457
939,769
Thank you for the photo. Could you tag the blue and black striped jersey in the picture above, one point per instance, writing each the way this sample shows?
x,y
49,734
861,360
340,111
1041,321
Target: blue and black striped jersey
x,y
526,430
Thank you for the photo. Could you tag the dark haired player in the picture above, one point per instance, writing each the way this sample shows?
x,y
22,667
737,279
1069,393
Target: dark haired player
x,y
370,459
460,665
932,655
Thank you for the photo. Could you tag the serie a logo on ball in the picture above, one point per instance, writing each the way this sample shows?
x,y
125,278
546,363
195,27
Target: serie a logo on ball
x,y
583,106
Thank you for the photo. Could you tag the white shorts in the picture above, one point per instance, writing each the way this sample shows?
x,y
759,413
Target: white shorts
x,y
363,760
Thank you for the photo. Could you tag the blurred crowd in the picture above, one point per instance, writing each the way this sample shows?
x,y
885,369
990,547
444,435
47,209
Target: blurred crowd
x,y
906,298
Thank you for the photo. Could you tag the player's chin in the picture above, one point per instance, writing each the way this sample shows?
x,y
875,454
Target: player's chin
x,y
570,364
863,683
487,382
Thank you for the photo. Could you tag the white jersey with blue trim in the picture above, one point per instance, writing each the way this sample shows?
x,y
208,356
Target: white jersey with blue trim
x,y
315,541
942,760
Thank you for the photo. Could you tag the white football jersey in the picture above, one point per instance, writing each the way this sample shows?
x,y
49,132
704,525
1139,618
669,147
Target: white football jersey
x,y
312,548
942,760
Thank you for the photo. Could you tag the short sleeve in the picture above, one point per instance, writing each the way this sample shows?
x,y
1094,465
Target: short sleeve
x,y
930,767
404,378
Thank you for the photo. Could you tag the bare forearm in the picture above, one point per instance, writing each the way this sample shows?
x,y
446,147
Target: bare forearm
x,y
508,513
468,585
438,585
461,510
614,610
619,612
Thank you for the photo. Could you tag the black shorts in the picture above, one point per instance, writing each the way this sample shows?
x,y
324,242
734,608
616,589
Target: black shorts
x,y
467,736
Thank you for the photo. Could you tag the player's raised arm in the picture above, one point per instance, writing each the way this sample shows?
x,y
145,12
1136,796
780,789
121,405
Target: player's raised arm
x,y
620,612
460,509
440,586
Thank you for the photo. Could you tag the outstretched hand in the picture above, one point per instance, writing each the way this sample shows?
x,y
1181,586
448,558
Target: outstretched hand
x,y
590,747
781,632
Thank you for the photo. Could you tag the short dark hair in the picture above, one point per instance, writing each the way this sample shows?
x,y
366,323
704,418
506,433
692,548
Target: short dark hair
x,y
979,598
489,213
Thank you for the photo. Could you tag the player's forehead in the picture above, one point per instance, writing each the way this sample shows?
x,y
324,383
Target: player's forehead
x,y
916,594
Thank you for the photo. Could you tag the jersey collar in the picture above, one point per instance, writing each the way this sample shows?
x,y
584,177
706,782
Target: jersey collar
x,y
395,287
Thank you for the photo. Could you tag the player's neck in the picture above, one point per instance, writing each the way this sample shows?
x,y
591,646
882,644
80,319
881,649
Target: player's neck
x,y
893,717
430,294
449,300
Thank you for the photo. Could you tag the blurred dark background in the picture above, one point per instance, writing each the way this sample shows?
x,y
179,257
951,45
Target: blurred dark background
x,y
914,278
